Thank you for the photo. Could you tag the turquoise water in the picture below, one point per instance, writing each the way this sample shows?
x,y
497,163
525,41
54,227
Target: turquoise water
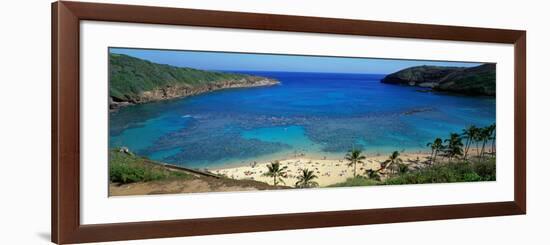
x,y
291,135
320,114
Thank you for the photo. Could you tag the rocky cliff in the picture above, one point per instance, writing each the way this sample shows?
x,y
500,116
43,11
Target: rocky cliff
x,y
134,81
479,80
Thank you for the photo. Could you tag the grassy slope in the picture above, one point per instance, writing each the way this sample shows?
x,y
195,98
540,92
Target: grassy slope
x,y
475,80
125,168
131,76
135,175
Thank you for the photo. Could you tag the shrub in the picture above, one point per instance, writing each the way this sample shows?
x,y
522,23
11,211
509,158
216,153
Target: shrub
x,y
471,177
448,173
125,168
486,170
357,181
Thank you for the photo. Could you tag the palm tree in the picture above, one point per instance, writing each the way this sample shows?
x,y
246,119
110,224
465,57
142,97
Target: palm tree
x,y
354,156
436,146
306,179
484,136
470,133
454,152
433,150
454,146
478,138
373,174
275,171
394,160
492,136
402,168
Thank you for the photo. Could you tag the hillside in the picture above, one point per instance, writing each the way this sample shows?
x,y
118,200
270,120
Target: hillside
x,y
134,175
133,81
479,80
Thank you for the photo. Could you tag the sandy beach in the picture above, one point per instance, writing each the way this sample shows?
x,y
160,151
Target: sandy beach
x,y
328,171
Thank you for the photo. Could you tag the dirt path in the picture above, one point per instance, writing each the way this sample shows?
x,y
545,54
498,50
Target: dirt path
x,y
193,185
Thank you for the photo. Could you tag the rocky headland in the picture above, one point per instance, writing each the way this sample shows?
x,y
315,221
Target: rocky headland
x,y
136,81
478,80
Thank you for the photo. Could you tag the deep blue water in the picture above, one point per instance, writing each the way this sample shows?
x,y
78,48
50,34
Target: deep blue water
x,y
319,114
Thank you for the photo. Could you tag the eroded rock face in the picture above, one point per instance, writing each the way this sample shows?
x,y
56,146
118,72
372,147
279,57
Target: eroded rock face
x,y
133,81
428,76
479,80
179,91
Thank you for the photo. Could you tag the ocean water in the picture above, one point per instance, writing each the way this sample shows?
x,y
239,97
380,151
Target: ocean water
x,y
314,114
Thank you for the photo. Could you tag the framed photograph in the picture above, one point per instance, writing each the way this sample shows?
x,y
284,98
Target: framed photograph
x,y
177,122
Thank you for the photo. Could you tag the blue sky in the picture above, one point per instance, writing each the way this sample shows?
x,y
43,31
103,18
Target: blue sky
x,y
224,61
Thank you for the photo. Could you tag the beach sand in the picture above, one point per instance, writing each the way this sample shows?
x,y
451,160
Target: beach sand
x,y
328,171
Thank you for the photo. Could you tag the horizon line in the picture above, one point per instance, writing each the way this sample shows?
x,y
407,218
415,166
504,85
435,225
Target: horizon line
x,y
111,50
359,73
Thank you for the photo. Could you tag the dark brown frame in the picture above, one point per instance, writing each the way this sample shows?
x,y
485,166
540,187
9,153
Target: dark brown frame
x,y
66,227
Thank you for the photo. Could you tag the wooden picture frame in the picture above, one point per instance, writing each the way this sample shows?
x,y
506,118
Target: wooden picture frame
x,y
66,226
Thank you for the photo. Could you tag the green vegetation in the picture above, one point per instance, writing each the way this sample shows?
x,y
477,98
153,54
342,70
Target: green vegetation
x,y
470,134
125,168
275,171
440,173
486,134
129,77
394,163
354,156
447,173
372,174
475,135
454,146
457,167
356,181
305,180
436,146
479,80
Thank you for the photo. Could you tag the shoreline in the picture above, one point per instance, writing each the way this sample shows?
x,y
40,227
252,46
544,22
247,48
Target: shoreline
x,y
328,171
178,92
305,154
